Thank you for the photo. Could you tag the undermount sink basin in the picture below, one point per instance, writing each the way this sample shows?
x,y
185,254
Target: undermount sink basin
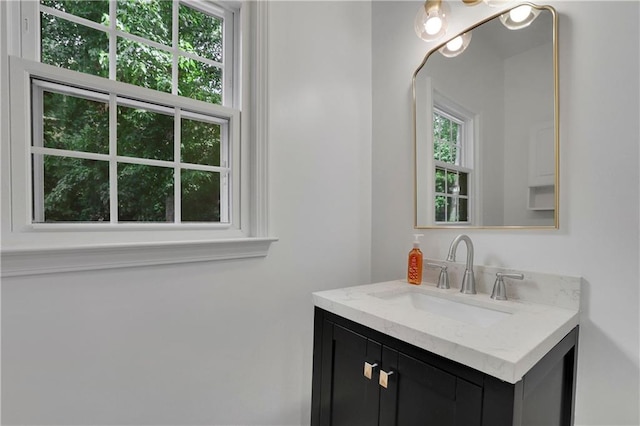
x,y
471,314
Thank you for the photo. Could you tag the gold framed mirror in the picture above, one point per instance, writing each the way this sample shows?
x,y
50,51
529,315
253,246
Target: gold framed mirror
x,y
486,126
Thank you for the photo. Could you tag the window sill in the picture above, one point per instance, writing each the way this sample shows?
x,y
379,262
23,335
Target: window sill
x,y
50,260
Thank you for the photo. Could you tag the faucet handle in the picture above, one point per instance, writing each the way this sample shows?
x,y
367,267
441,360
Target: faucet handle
x,y
499,291
514,276
443,279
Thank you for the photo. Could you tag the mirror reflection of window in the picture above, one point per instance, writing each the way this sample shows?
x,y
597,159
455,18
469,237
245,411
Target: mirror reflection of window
x,y
452,170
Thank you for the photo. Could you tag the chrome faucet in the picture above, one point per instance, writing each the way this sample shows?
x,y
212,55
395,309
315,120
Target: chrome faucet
x,y
468,281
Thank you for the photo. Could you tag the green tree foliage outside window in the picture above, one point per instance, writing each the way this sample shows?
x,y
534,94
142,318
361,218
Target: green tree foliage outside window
x,y
78,190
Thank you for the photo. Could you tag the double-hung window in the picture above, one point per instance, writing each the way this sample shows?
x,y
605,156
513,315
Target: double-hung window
x,y
452,176
446,162
126,122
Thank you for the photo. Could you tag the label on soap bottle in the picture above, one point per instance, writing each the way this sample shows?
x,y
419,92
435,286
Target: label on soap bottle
x,y
414,270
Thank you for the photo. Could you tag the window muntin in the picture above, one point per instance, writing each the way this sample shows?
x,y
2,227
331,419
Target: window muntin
x,y
147,171
451,177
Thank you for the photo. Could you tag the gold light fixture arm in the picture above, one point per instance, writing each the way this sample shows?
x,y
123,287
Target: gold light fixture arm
x,y
430,5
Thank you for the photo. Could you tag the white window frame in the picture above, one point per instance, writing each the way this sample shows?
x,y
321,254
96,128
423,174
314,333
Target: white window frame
x,y
29,248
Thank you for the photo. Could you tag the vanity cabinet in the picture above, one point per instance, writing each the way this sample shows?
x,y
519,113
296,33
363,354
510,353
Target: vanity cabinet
x,y
350,359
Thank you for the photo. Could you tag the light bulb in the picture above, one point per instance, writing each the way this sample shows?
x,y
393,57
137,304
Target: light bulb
x,y
455,44
520,13
431,20
519,17
433,25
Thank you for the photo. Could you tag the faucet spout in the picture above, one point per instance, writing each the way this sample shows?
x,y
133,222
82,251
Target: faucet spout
x,y
468,281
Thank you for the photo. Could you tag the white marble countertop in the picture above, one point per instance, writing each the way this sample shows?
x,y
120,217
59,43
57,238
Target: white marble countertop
x,y
506,349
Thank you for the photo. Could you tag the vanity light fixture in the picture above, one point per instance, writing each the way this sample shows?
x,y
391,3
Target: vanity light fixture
x,y
431,20
519,17
456,46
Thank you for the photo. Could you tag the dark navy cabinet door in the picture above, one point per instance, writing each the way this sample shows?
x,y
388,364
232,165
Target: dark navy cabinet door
x,y
420,394
416,393
348,397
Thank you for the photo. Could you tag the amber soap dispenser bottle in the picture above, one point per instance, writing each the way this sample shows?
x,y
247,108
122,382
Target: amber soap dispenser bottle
x,y
414,268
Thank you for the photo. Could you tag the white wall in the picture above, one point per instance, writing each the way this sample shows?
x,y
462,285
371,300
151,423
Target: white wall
x,y
598,237
524,106
226,342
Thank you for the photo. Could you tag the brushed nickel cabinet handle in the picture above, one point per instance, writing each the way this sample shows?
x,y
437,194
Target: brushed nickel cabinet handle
x,y
368,369
384,378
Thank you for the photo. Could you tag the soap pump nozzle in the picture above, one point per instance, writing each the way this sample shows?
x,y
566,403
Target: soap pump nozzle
x,y
416,240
